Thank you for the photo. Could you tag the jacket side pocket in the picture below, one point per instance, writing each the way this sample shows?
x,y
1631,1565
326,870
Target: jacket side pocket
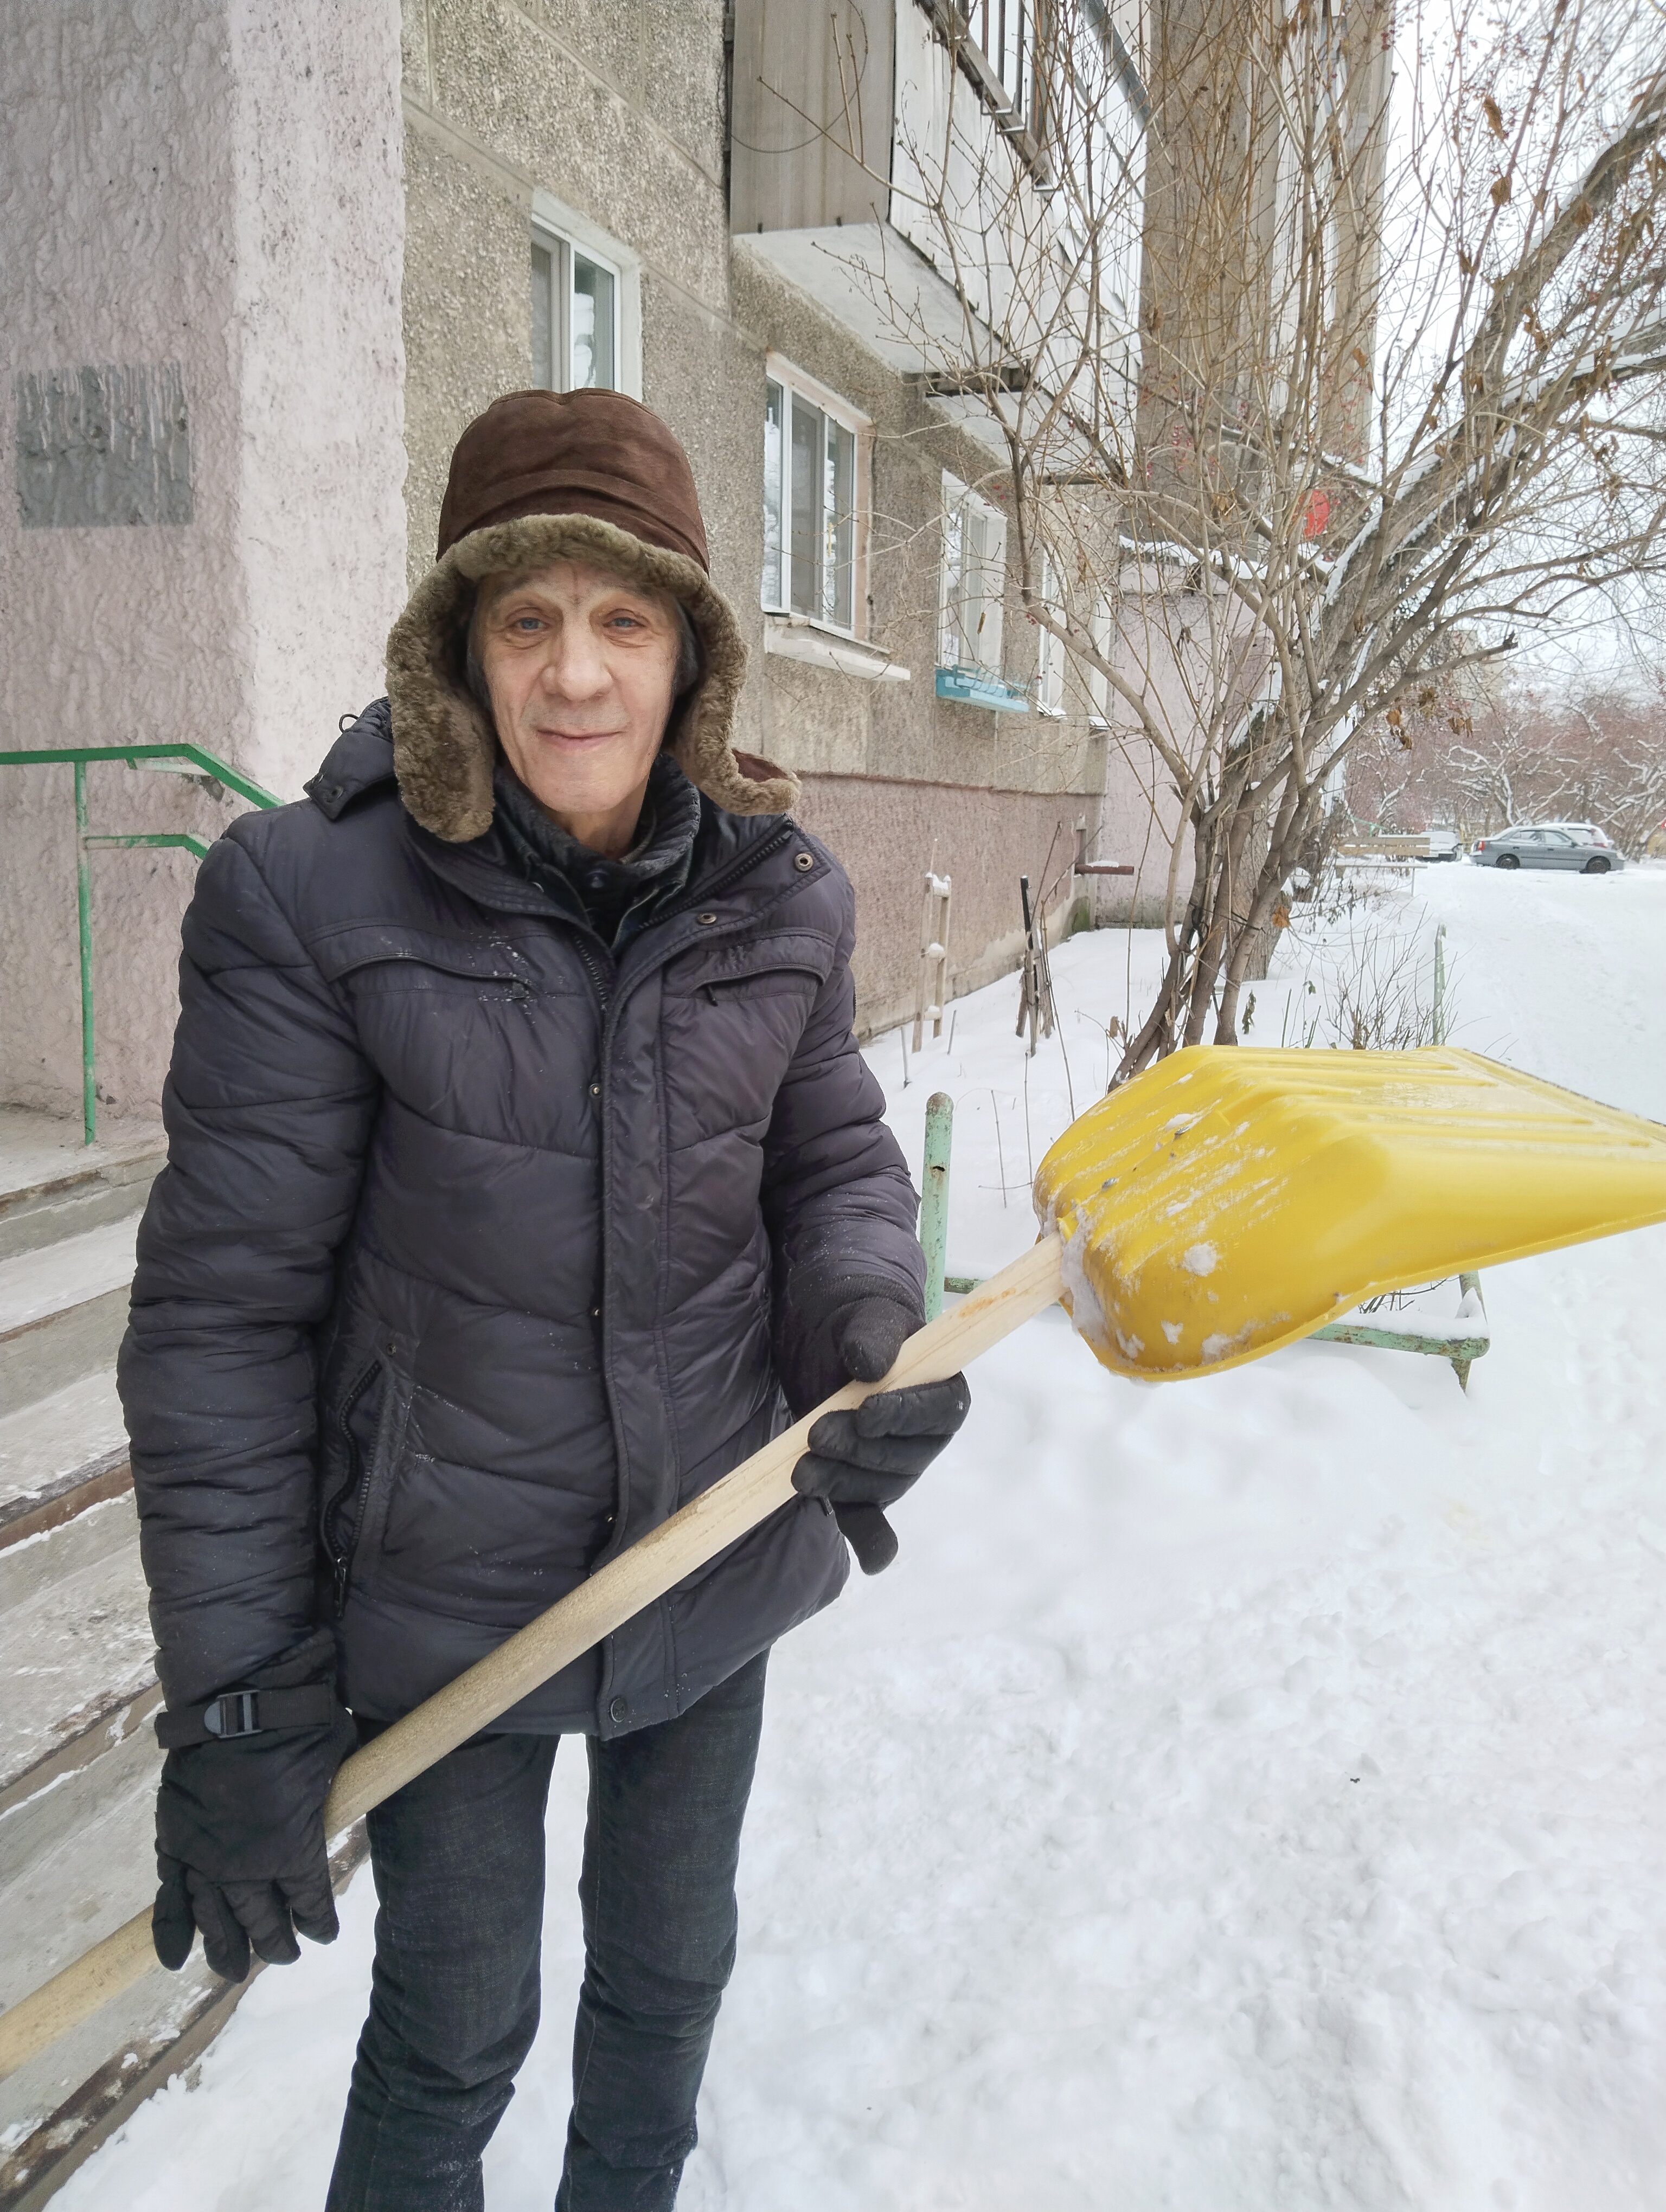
x,y
372,1422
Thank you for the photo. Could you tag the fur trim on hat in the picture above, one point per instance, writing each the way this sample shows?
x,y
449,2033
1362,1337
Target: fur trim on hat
x,y
444,746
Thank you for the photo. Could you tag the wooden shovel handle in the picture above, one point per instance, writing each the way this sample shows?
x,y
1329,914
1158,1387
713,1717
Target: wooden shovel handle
x,y
719,1517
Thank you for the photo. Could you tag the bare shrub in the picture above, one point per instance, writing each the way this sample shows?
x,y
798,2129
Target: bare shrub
x,y
1375,1001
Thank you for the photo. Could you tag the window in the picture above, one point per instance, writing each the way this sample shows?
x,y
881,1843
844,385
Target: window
x,y
1002,29
575,317
811,485
974,578
1050,655
1098,684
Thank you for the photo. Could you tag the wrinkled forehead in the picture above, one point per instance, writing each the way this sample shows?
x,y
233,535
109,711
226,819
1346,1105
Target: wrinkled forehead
x,y
571,585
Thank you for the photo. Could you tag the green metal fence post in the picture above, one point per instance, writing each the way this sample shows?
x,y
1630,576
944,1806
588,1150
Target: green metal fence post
x,y
934,1196
1460,1366
89,1097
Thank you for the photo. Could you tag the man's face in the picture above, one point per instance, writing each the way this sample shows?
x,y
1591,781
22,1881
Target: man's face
x,y
580,668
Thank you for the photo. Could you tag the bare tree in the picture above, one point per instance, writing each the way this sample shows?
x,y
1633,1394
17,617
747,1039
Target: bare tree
x,y
1391,411
1509,751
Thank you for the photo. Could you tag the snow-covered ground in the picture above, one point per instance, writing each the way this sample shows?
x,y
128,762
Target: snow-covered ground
x,y
1244,1793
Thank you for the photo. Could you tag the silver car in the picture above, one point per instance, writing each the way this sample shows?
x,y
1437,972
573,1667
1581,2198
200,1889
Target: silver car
x,y
1544,847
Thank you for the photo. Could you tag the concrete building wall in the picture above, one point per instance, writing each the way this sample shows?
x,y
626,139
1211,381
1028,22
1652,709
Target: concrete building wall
x,y
616,109
318,268
888,833
193,273
617,112
322,215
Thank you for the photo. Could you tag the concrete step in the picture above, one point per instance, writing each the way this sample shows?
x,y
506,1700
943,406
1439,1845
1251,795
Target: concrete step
x,y
78,1766
57,2109
78,1756
76,1646
53,1185
77,1859
61,1454
63,1310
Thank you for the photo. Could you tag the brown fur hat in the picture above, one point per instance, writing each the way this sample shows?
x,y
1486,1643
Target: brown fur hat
x,y
543,476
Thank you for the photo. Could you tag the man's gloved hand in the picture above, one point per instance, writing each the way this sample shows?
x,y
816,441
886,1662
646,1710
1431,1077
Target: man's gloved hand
x,y
239,1830
863,1459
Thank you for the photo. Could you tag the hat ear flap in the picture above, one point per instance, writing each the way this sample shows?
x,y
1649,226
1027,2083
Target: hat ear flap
x,y
444,745
701,745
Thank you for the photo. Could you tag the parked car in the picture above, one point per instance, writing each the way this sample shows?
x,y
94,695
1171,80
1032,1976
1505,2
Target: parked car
x,y
1442,844
1546,845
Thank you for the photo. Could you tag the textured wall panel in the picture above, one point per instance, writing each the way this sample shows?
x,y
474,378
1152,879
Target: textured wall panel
x,y
103,448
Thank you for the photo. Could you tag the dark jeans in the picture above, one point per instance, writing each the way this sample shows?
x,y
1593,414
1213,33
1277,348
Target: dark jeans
x,y
459,1862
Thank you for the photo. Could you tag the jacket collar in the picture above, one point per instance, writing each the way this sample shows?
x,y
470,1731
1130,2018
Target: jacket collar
x,y
360,760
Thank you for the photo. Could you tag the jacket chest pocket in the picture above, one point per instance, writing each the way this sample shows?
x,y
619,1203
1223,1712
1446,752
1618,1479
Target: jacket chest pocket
x,y
373,960
464,1031
371,964
731,1026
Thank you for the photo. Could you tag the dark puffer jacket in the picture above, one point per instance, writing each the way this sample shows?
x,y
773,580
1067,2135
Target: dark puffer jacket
x,y
460,1275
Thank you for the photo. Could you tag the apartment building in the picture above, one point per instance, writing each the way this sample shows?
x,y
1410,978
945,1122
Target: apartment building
x,y
277,260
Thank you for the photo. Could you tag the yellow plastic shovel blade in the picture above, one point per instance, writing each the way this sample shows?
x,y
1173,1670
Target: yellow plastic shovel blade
x,y
1228,1201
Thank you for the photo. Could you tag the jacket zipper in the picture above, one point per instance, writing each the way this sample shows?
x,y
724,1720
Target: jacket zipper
x,y
741,864
353,1491
603,978
585,938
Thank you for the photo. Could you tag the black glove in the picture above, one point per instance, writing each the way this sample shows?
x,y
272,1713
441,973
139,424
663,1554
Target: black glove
x,y
240,1848
863,1459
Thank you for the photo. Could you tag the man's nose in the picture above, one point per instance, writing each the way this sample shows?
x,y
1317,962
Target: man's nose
x,y
576,667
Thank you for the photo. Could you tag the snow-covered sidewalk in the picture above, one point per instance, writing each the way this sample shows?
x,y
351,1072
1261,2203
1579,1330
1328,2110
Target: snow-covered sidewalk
x,y
1240,1794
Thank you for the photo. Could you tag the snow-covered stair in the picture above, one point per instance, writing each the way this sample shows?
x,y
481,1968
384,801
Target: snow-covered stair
x,y
78,1759
63,1310
53,1449
80,1680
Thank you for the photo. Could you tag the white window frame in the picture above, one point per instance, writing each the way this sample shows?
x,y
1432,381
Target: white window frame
x,y
1050,654
796,384
1003,31
964,509
558,226
1098,684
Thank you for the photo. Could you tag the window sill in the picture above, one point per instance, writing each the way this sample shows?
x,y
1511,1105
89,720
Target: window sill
x,y
800,637
982,687
1053,713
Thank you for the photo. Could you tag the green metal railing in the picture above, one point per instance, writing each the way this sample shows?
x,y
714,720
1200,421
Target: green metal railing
x,y
79,757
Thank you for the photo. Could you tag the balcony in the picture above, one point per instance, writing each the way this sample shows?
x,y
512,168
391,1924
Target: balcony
x,y
882,151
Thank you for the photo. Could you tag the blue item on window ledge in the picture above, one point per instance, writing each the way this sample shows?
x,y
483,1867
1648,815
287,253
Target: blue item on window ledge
x,y
982,687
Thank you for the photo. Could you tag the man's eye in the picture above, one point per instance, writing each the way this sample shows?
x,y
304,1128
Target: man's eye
x,y
528,622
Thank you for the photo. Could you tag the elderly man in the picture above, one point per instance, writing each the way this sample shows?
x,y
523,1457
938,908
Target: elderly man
x,y
522,1170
